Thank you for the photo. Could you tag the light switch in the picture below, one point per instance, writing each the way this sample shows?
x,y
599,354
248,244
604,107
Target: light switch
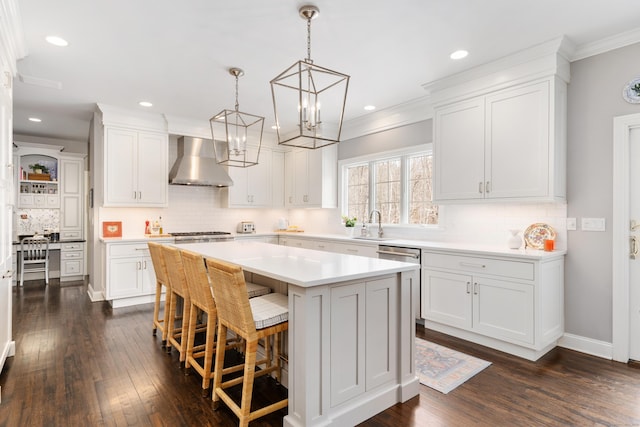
x,y
571,224
593,224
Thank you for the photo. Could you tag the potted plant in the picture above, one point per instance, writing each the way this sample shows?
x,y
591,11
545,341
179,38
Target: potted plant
x,y
349,223
39,168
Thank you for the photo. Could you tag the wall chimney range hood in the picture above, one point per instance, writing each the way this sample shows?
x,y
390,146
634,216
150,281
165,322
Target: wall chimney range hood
x,y
196,164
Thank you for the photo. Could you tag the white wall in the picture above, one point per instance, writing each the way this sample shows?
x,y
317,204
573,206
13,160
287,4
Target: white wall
x,y
595,98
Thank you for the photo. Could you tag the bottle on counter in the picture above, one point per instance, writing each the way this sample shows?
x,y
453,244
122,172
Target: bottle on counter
x,y
147,229
160,224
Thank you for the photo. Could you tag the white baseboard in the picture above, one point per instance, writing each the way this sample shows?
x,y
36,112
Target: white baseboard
x,y
587,345
94,295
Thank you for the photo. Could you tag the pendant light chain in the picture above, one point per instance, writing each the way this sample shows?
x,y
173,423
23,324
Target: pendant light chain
x,y
309,60
237,104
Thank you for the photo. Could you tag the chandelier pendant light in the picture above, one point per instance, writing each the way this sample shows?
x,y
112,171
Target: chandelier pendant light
x,y
237,136
309,100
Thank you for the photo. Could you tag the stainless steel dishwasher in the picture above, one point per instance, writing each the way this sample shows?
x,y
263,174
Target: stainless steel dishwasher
x,y
404,254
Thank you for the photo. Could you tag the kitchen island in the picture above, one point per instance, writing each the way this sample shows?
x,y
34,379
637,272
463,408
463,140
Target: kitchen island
x,y
351,338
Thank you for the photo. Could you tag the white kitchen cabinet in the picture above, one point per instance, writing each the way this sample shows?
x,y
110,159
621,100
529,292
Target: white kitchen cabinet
x,y
71,261
252,186
130,278
353,249
71,198
39,201
507,145
311,178
136,168
510,304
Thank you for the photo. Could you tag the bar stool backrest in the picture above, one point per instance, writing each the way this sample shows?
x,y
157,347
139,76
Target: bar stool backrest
x,y
159,266
232,300
197,280
175,270
34,249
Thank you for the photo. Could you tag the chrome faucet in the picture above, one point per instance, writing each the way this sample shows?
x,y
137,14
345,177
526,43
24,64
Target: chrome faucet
x,y
380,231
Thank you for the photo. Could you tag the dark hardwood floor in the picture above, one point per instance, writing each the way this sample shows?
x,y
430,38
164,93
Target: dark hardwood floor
x,y
85,364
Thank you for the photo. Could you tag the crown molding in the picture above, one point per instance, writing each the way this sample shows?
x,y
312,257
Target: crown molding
x,y
605,45
413,111
13,45
117,116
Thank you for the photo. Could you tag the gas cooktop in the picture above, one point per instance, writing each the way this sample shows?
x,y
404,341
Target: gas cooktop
x,y
200,233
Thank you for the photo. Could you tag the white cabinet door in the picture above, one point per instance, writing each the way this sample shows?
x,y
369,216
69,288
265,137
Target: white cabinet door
x,y
362,250
300,178
289,171
277,180
503,310
72,198
446,298
152,169
517,149
252,186
136,168
147,275
124,278
120,167
459,151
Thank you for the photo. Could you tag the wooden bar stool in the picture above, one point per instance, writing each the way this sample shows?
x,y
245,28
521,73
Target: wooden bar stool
x,y
160,268
201,301
176,335
251,319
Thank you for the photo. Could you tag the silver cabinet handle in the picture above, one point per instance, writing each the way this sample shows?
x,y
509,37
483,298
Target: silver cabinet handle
x,y
468,287
470,264
475,288
138,265
408,255
135,194
480,187
144,265
487,187
140,195
633,240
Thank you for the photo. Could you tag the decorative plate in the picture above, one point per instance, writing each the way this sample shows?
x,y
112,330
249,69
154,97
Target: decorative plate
x,y
631,91
536,234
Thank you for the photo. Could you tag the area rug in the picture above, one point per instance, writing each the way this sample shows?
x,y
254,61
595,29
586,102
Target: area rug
x,y
444,369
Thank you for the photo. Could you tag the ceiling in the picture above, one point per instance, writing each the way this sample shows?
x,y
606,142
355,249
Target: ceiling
x,y
176,54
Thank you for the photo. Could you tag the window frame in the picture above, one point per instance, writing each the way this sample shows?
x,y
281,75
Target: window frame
x,y
404,154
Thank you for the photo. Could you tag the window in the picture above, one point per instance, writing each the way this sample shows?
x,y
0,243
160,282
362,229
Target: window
x,y
399,186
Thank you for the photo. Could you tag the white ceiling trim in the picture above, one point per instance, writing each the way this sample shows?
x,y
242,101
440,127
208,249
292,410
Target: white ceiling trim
x,y
610,43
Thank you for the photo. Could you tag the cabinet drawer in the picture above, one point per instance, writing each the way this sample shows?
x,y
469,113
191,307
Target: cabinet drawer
x,y
64,235
128,250
71,247
515,269
71,255
71,268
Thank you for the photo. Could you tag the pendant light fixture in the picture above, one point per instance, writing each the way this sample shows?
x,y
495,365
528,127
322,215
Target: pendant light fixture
x,y
309,100
237,136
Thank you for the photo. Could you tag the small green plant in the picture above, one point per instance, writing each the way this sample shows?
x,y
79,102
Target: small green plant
x,y
37,166
636,89
349,222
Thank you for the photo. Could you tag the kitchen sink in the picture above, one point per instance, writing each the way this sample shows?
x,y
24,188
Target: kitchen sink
x,y
372,238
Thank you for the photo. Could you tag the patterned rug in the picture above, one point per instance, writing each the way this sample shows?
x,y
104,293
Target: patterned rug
x,y
444,369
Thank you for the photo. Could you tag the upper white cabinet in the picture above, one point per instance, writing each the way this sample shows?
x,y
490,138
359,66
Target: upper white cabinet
x,y
136,167
501,146
311,178
500,129
71,198
253,186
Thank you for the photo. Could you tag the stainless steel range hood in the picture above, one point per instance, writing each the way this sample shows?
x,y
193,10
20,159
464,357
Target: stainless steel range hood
x,y
196,164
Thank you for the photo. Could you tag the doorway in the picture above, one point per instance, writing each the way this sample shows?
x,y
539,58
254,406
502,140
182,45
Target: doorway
x,y
626,238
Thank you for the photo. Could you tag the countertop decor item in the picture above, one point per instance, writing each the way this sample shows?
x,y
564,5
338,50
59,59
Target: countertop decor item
x,y
112,229
515,241
631,91
537,233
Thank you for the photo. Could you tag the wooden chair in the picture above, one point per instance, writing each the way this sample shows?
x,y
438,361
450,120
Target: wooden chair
x,y
162,279
177,334
252,320
34,252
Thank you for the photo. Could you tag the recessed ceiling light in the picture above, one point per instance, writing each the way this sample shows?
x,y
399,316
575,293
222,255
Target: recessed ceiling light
x,y
57,41
369,107
459,54
35,119
145,104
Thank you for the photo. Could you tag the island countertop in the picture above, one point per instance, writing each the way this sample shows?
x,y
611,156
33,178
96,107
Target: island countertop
x,y
302,267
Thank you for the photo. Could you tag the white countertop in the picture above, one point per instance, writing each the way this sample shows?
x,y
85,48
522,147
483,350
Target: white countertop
x,y
302,267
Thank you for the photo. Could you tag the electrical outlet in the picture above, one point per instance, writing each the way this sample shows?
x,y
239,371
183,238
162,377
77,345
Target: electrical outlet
x,y
593,224
571,224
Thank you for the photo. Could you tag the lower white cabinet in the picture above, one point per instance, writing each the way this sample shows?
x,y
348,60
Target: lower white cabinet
x,y
71,261
511,304
130,278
